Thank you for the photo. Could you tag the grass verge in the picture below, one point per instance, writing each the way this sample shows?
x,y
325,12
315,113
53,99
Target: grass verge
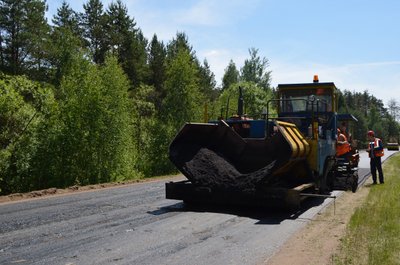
x,y
373,234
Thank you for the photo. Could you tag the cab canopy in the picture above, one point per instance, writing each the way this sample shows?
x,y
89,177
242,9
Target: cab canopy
x,y
297,97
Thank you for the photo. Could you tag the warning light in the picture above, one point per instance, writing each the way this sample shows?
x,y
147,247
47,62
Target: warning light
x,y
316,80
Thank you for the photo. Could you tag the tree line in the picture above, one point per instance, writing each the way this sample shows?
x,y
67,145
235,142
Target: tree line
x,y
371,114
88,99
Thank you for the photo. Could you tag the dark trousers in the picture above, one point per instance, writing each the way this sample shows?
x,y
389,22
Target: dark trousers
x,y
376,164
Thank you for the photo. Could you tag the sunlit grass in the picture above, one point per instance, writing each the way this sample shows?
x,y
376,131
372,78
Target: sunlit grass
x,y
373,234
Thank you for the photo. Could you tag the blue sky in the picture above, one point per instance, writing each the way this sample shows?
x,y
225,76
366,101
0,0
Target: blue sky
x,y
354,43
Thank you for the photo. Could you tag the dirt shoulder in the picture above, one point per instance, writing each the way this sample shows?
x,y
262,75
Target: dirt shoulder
x,y
75,189
318,242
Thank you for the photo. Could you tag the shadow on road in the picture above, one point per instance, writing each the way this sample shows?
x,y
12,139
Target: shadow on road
x,y
267,216
263,216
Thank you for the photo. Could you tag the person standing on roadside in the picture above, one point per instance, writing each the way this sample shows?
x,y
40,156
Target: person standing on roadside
x,y
375,152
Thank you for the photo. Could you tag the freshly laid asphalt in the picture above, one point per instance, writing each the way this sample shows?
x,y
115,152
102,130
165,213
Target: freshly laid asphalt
x,y
135,224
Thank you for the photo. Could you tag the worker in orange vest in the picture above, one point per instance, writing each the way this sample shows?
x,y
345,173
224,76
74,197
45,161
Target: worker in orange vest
x,y
343,147
375,152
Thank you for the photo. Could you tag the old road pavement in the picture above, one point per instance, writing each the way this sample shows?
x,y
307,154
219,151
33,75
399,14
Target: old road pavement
x,y
135,224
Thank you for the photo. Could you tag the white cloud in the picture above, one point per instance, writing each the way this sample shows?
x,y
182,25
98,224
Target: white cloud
x,y
203,13
162,23
197,17
215,13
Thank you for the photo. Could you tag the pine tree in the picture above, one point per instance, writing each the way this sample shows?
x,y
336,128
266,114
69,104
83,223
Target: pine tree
x,y
67,18
133,57
11,25
94,23
255,70
127,43
207,82
66,41
394,108
37,34
231,76
157,75
178,44
2,61
64,45
119,26
24,31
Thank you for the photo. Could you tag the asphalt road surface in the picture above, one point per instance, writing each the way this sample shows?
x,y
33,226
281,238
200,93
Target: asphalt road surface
x,y
135,224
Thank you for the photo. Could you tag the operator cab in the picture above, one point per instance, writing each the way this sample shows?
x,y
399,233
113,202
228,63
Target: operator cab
x,y
303,100
304,103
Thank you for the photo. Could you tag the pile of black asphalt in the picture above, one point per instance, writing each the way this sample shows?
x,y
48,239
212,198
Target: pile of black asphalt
x,y
207,168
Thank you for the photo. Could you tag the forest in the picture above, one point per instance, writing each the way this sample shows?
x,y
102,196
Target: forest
x,y
86,98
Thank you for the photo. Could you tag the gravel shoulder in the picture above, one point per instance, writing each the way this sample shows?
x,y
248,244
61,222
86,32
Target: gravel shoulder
x,y
323,233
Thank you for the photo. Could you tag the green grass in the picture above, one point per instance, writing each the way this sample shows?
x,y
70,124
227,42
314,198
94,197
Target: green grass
x,y
373,234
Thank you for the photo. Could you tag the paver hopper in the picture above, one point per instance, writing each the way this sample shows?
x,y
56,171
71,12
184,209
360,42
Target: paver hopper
x,y
223,167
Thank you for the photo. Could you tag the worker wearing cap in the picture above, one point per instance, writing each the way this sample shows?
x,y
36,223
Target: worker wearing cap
x,y
375,151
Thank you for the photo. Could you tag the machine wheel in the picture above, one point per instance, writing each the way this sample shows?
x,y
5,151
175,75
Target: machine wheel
x,y
326,182
330,180
354,184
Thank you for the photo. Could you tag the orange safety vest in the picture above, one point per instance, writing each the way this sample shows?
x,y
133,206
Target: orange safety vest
x,y
377,153
342,148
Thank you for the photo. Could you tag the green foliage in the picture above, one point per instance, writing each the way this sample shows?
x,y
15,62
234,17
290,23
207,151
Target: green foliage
x,y
372,115
115,140
360,129
393,129
207,82
64,45
119,26
24,107
15,116
255,100
394,108
231,76
178,44
24,30
255,70
133,58
155,160
36,34
12,16
67,18
183,101
91,130
143,120
94,22
157,69
374,121
95,138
